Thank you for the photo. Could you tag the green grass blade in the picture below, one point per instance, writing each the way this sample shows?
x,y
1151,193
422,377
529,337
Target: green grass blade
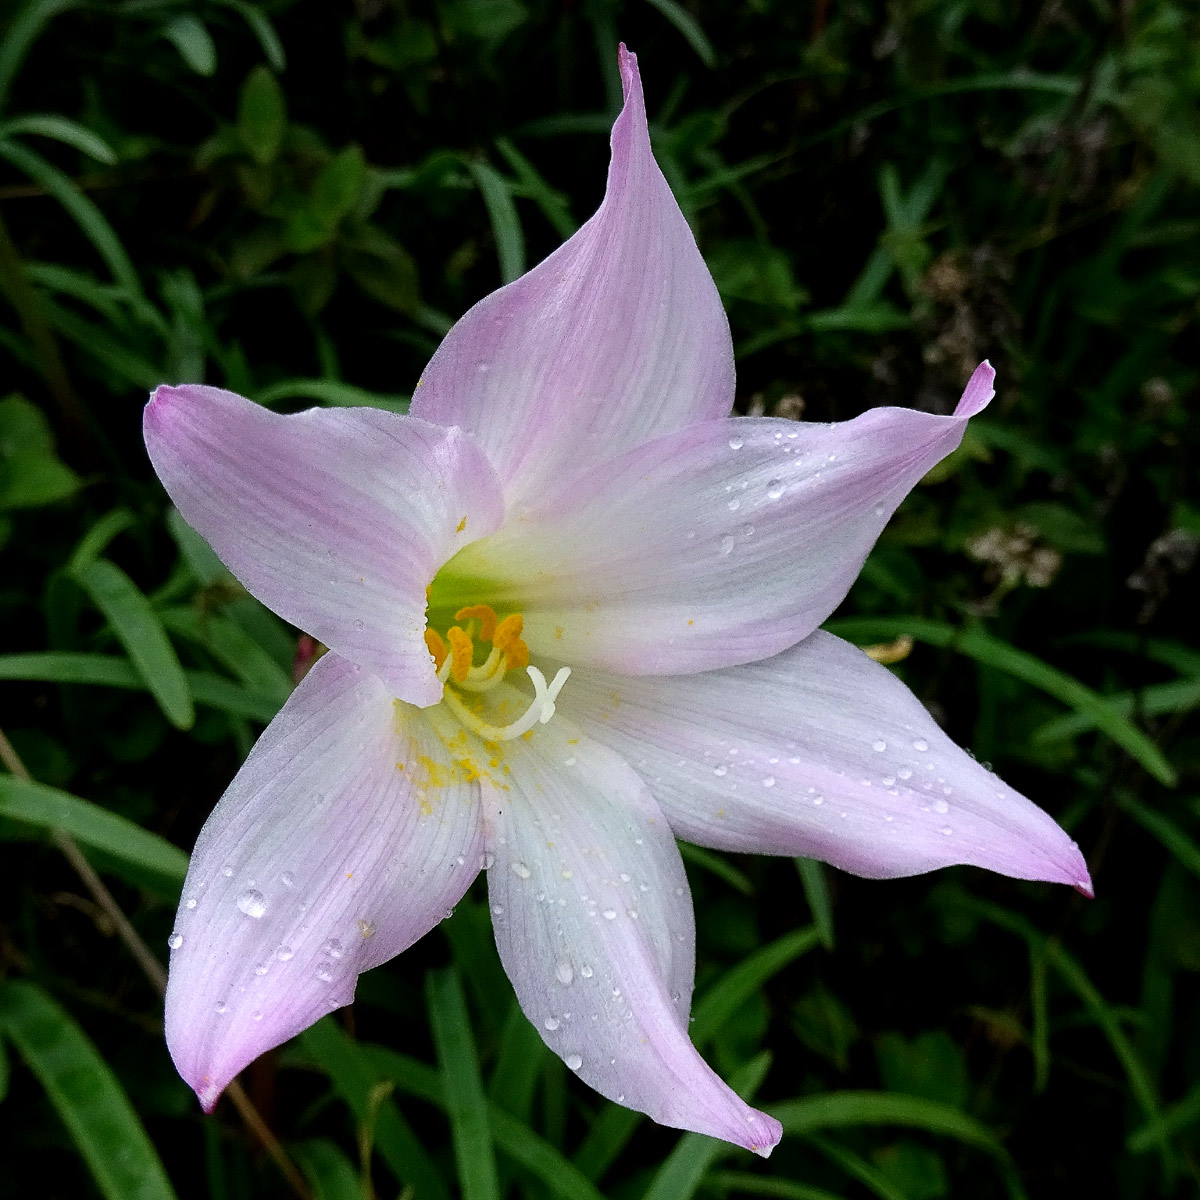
x,y
992,652
332,392
353,1077
139,630
816,892
124,842
86,1094
689,27
608,1135
736,986
106,670
330,1173
61,129
19,36
857,1167
502,212
745,1184
520,1061
1179,1117
1157,700
465,1101
718,865
1167,832
683,1170
97,538
836,1110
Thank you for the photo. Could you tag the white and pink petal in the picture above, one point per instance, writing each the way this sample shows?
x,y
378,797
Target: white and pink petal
x,y
336,846
615,338
819,752
593,921
337,519
719,544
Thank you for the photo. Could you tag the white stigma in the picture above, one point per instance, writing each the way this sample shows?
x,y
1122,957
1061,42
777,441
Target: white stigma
x,y
539,712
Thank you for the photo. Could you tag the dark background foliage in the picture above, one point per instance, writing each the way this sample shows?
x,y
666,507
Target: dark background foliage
x,y
294,200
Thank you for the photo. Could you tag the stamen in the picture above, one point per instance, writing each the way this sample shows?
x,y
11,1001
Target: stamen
x,y
486,677
541,710
461,651
436,646
484,615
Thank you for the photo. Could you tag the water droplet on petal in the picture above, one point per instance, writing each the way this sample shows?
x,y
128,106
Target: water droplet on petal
x,y
497,909
574,1061
287,879
721,770
520,869
260,969
610,914
920,745
736,443
221,1007
905,773
325,972
727,544
486,860
333,948
879,746
551,1023
774,489
175,941
252,903
227,872
769,781
586,972
191,902
940,806
564,972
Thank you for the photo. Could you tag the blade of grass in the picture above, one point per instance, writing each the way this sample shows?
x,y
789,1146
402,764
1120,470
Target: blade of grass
x,y
353,1076
138,629
816,892
502,212
124,842
86,1094
465,1101
716,865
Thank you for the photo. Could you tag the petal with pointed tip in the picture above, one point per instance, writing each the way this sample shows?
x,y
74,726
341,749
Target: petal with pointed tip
x,y
332,851
615,338
719,544
335,518
593,920
820,752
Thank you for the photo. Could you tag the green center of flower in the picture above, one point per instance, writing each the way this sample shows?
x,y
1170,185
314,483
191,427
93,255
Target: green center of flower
x,y
454,653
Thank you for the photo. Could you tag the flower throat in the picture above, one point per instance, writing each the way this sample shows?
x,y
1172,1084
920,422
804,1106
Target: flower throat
x,y
454,658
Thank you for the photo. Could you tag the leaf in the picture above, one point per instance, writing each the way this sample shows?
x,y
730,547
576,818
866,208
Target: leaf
x,y
502,212
61,129
835,1110
31,474
465,1101
689,27
353,1078
261,25
124,842
21,32
991,651
85,1093
736,986
195,45
329,1171
262,115
139,630
382,267
332,392
816,892
96,540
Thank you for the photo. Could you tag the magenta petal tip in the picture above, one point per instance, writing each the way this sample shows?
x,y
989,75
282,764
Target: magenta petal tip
x,y
978,393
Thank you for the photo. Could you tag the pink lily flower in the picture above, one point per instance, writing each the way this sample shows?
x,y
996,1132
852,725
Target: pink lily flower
x,y
572,613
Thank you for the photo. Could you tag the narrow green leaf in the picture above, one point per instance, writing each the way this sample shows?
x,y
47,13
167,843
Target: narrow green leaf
x,y
261,25
331,1174
1176,1118
816,892
502,212
984,648
1157,700
233,648
139,630
522,1055
689,27
94,542
21,33
857,1167
465,1102
514,1139
835,1110
607,1136
1184,848
736,986
106,670
332,392
745,1184
353,1077
193,41
684,1168
86,1094
718,865
61,129
125,842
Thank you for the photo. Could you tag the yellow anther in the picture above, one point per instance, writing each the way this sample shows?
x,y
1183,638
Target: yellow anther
x,y
461,652
508,639
437,647
484,615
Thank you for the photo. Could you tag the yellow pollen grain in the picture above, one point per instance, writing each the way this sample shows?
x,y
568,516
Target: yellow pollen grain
x,y
461,652
484,615
461,525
